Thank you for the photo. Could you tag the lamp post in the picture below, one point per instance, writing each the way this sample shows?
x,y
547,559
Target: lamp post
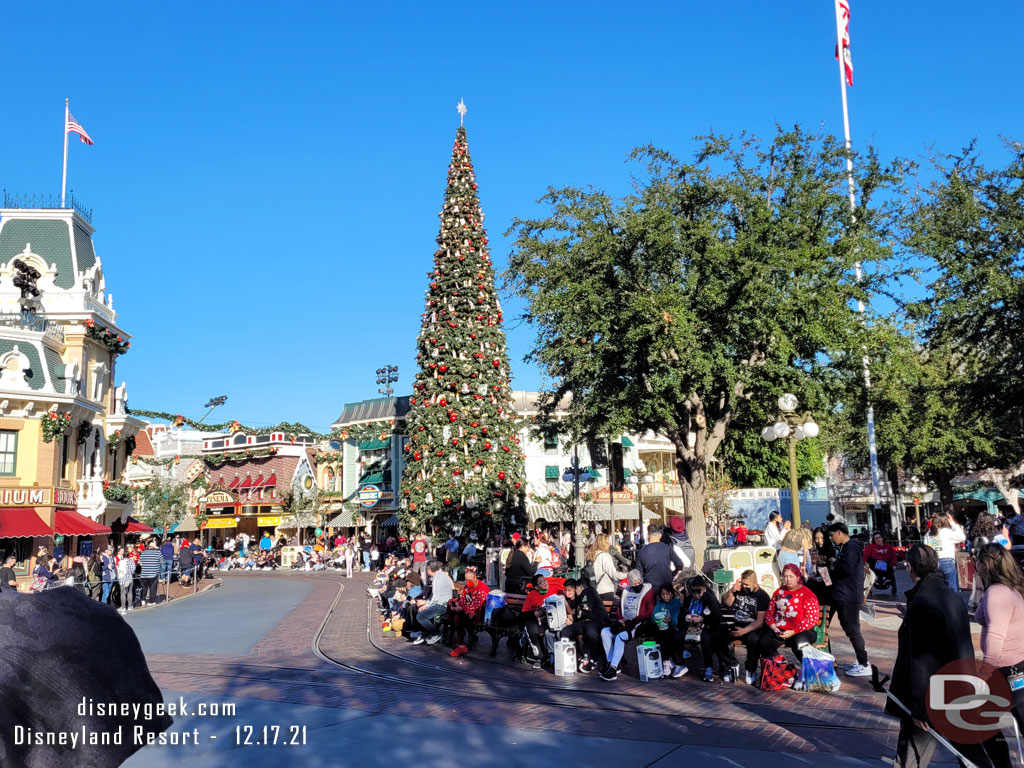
x,y
574,474
639,483
387,375
916,487
212,403
794,427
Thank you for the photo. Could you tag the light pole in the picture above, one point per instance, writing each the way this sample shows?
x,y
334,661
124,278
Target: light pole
x,y
387,375
795,427
212,403
573,474
639,483
916,487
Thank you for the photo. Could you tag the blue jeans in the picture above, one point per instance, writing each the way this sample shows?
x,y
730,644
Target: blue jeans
x,y
165,570
105,594
366,561
947,566
425,615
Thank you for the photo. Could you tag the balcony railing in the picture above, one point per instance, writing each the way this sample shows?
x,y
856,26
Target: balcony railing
x,y
30,321
47,202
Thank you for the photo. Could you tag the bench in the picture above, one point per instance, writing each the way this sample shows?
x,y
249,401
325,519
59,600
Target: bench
x,y
823,643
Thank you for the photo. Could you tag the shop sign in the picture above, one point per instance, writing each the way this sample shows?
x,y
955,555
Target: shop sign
x,y
221,522
369,495
602,495
219,498
38,496
268,522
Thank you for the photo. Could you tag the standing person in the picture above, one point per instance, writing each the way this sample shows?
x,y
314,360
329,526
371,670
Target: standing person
x,y
167,553
109,573
266,543
42,577
229,546
350,557
94,573
795,548
151,562
503,556
679,540
126,579
365,545
946,535
606,575
773,531
750,605
741,533
542,554
374,557
420,549
657,558
636,607
847,573
243,543
8,581
1001,616
185,562
935,632
466,608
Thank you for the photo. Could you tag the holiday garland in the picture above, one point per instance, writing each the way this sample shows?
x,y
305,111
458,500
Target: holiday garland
x,y
109,339
120,493
114,442
249,453
288,428
55,425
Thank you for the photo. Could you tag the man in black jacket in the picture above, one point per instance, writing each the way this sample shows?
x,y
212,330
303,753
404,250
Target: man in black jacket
x,y
587,619
935,632
847,574
657,558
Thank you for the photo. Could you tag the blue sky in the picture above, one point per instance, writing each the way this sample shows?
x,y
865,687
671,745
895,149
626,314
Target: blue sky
x,y
266,178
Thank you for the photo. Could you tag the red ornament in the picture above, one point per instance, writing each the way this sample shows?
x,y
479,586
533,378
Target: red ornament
x,y
505,448
455,441
496,362
412,506
447,501
501,475
487,445
442,401
442,368
417,456
484,430
517,485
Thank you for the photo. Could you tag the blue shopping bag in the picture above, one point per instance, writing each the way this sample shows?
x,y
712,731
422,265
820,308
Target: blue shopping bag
x,y
818,672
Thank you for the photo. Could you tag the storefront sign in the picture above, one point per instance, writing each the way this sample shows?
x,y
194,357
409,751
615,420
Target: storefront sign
x,y
219,498
602,495
38,496
221,522
269,522
369,495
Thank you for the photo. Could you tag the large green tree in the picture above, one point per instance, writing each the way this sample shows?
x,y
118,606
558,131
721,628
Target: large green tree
x,y
464,464
718,282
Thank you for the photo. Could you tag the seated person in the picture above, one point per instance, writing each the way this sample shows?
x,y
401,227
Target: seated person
x,y
434,605
750,604
702,624
586,618
881,558
466,608
793,614
636,606
534,618
665,625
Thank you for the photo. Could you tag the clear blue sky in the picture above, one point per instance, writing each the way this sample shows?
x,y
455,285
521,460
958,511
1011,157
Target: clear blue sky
x,y
266,177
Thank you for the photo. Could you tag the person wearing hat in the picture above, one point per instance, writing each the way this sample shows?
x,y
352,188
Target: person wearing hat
x,y
680,541
636,606
466,608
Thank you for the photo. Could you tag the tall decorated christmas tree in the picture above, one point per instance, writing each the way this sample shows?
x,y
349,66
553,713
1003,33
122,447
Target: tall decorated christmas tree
x,y
464,466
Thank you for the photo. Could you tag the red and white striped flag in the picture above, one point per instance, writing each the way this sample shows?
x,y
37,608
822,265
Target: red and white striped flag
x,y
844,12
75,127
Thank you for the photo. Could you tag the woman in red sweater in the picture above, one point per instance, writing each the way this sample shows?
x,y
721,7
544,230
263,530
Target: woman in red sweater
x,y
793,614
881,558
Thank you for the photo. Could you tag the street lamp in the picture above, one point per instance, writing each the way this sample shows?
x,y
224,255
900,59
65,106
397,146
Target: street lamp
x,y
639,483
212,403
794,427
574,474
916,487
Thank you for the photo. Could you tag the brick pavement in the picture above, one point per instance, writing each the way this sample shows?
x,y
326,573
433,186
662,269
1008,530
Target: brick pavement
x,y
386,674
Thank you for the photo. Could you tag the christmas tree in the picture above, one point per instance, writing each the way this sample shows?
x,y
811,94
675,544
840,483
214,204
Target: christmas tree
x,y
464,465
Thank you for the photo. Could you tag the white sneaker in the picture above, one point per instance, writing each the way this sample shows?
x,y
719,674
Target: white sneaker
x,y
666,668
748,678
122,611
858,671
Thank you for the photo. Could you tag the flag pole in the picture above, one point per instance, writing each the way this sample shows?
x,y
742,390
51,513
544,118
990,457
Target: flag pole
x,y
64,176
872,444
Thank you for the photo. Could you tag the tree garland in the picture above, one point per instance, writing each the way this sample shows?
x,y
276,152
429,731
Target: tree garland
x,y
109,339
55,425
177,420
114,442
248,453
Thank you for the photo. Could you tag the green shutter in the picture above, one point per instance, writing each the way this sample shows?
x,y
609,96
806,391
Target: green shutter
x,y
551,442
627,443
372,445
551,472
373,478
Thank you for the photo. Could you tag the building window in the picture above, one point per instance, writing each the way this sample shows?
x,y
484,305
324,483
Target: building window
x,y
65,457
551,444
8,452
551,473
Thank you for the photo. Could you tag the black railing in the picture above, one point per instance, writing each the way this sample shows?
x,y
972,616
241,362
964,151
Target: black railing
x,y
47,202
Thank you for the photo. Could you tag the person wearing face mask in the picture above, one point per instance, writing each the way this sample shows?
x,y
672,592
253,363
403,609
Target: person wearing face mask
x,y
586,620
636,606
534,618
750,604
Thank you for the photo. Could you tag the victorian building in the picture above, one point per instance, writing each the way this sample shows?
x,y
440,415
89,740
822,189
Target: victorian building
x,y
65,433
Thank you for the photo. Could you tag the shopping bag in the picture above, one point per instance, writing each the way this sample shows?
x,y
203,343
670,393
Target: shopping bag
x,y
819,672
777,674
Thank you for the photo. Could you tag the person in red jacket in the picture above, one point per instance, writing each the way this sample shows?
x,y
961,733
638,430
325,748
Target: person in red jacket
x,y
466,608
881,558
533,615
792,615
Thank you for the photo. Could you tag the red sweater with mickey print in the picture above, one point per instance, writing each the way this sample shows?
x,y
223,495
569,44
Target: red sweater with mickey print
x,y
796,610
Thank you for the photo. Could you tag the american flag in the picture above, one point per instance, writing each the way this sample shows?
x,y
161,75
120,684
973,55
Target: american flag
x,y
75,127
844,12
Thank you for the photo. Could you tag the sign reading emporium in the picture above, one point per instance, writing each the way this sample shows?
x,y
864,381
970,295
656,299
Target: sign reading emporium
x,y
38,496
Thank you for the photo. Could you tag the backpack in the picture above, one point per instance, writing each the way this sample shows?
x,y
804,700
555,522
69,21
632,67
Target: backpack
x,y
587,572
556,558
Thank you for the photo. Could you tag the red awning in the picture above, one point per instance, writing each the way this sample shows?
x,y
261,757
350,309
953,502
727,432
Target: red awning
x,y
130,526
272,480
234,483
68,523
17,523
258,482
247,483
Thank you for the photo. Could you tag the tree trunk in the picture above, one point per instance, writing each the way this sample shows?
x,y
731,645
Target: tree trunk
x,y
693,481
1003,480
945,483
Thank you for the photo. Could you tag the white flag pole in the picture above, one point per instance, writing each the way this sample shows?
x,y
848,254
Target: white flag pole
x,y
872,445
64,175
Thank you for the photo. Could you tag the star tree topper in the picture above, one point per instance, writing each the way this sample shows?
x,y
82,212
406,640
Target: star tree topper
x,y
461,107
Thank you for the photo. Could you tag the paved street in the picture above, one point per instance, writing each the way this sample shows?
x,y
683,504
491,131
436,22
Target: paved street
x,y
261,642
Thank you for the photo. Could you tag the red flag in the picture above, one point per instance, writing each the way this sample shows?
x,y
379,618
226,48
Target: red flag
x,y
844,12
75,127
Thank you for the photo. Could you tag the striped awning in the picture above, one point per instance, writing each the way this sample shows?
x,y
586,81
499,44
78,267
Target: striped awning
x,y
391,522
591,513
187,524
344,519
